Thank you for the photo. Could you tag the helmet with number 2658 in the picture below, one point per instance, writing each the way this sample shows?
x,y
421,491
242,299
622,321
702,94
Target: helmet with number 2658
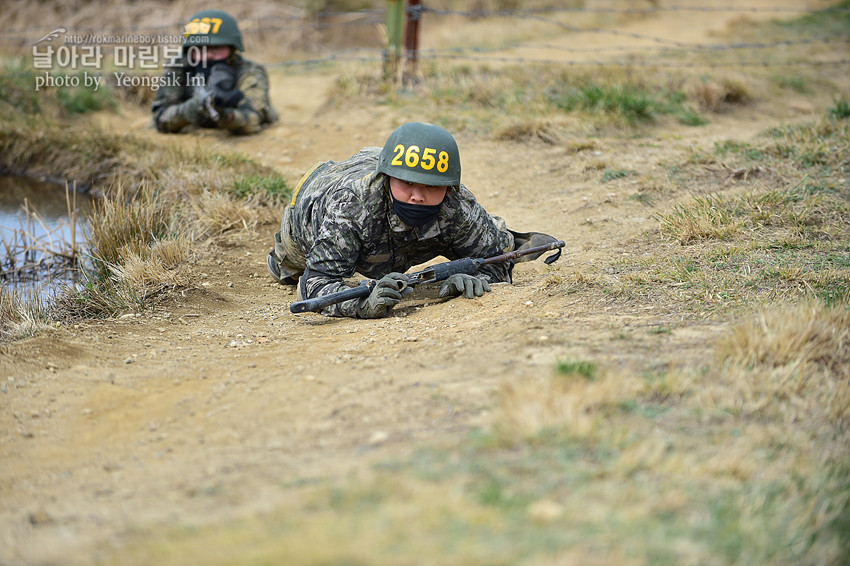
x,y
418,152
212,27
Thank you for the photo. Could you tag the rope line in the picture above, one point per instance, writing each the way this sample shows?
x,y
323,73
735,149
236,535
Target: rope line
x,y
337,57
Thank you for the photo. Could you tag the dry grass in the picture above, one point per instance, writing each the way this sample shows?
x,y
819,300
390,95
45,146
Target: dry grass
x,y
530,130
21,315
122,226
756,442
717,95
702,219
146,272
574,404
809,333
800,357
134,255
215,213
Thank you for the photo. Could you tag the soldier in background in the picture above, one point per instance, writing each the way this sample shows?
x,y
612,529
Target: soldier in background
x,y
383,211
211,85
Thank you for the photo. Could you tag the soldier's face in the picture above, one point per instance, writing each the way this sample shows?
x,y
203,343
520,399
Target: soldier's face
x,y
218,52
416,193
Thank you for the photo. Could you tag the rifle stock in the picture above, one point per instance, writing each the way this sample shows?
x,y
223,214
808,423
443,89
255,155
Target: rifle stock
x,y
435,273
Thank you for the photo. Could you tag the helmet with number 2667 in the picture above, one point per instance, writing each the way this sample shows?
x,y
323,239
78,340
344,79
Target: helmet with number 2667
x,y
212,27
418,152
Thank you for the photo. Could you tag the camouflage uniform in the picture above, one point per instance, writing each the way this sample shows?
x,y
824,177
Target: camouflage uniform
x,y
172,115
341,221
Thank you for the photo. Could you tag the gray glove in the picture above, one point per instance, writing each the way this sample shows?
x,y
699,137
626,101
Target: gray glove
x,y
203,97
463,284
187,112
386,294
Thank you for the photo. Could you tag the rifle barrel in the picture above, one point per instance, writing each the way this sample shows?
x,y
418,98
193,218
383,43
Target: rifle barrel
x,y
318,303
519,253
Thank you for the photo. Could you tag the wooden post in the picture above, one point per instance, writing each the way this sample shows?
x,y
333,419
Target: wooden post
x,y
411,43
395,31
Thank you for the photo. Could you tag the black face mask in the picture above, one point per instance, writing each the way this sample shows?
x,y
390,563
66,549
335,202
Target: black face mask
x,y
416,214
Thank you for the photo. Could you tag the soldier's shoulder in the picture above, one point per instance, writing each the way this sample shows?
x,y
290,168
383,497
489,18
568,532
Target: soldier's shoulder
x,y
368,156
461,198
248,66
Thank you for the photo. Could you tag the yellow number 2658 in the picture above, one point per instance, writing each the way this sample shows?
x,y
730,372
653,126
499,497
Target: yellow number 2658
x,y
427,158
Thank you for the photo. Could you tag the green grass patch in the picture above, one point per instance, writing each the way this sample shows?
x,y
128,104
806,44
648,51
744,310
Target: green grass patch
x,y
643,198
840,110
81,99
466,97
690,117
830,22
17,90
661,329
579,368
797,83
269,186
747,150
611,174
633,106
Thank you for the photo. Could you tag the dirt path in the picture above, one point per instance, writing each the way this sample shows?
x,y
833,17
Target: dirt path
x,y
210,406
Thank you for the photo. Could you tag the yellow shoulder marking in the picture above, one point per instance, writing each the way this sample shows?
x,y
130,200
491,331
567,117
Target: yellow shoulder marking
x,y
302,181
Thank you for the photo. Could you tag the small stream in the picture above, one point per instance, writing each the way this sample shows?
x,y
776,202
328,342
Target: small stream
x,y
38,237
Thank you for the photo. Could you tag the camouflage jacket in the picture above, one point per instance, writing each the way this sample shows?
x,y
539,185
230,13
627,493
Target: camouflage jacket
x,y
343,221
171,113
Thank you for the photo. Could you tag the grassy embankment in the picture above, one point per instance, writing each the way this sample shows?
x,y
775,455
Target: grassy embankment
x,y
158,201
743,460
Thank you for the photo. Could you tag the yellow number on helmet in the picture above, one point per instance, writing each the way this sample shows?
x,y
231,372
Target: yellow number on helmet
x,y
428,160
399,151
191,28
443,162
411,157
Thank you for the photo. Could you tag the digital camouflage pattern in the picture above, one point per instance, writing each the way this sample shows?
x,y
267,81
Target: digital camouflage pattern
x,y
174,108
340,221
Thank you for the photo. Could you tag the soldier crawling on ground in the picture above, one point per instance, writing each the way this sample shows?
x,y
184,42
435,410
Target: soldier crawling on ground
x,y
211,85
383,211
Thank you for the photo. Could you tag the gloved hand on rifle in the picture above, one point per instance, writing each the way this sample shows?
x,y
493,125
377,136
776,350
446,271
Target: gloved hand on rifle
x,y
190,111
386,294
463,284
203,104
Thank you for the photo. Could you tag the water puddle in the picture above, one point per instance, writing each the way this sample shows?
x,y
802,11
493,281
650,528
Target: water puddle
x,y
42,234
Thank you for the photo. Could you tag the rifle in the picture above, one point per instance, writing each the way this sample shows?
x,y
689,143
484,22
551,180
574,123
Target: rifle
x,y
209,102
435,273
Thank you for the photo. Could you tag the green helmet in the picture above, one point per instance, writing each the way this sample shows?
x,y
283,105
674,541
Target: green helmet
x,y
212,27
421,153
